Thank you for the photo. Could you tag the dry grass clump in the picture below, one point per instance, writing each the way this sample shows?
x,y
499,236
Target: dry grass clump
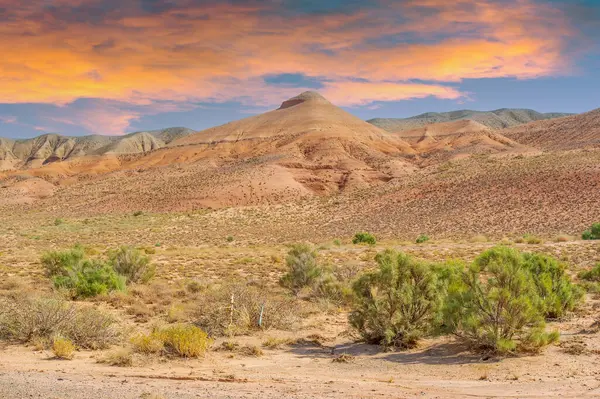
x,y
564,238
29,319
120,357
251,351
479,238
276,343
63,348
217,315
183,340
344,358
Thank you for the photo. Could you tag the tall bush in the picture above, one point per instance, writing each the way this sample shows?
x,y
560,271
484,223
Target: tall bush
x,y
495,305
396,304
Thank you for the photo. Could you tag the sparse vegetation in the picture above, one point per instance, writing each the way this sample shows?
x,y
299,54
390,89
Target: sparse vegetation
x,y
138,213
593,233
496,307
364,238
396,304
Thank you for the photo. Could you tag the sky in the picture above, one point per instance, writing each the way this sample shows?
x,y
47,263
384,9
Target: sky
x,y
80,67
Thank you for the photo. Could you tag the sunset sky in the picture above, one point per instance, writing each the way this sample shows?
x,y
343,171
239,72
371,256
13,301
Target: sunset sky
x,y
113,66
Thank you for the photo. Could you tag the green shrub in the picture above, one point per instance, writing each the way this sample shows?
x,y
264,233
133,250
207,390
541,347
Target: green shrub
x,y
133,264
591,275
495,305
91,278
593,233
229,239
364,238
422,238
58,263
59,221
554,286
303,269
396,304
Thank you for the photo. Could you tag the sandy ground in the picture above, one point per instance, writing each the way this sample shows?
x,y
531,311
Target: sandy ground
x,y
440,368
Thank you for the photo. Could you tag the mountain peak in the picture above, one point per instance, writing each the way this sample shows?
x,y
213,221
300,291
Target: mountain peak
x,y
307,96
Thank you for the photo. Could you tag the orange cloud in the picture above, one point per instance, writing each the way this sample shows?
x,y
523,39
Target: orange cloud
x,y
222,52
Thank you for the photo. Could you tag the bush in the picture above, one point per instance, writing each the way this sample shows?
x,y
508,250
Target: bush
x,y
63,348
29,319
593,233
58,263
495,306
396,304
303,268
131,263
91,278
84,278
554,286
364,238
216,315
182,340
591,275
422,238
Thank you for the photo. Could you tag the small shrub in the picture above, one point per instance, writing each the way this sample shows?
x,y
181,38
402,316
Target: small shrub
x,y
182,340
337,242
63,348
422,238
591,275
59,221
303,269
495,306
593,233
396,304
364,238
138,213
229,238
131,263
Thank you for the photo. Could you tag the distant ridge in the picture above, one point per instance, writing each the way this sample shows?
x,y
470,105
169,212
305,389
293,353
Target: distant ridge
x,y
47,148
497,119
